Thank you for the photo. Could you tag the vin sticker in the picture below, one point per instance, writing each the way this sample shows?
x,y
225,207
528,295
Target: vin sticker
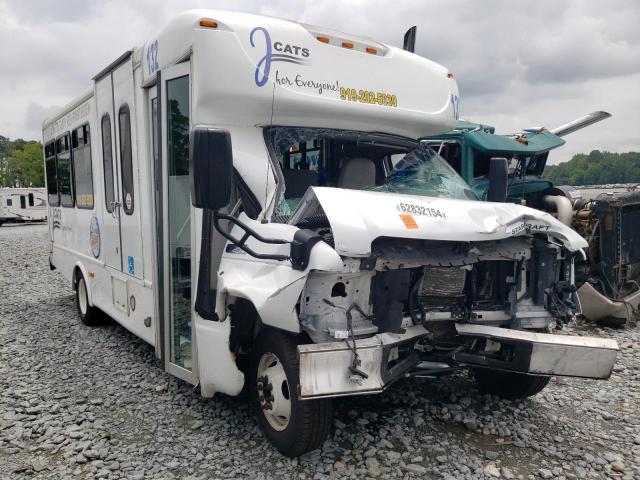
x,y
421,210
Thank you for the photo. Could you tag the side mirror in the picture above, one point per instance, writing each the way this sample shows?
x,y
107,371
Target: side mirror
x,y
211,162
498,180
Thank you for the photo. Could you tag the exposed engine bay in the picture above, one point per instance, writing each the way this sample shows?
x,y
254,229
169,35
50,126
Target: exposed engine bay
x,y
517,283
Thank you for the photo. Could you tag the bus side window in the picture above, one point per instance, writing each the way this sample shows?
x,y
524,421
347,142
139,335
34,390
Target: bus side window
x,y
51,174
124,125
107,162
65,171
31,199
82,171
9,202
23,201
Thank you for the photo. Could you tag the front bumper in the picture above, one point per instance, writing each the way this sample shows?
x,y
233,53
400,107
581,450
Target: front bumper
x,y
324,367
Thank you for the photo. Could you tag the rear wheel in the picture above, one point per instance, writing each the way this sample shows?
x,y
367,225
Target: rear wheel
x,y
292,425
509,385
88,315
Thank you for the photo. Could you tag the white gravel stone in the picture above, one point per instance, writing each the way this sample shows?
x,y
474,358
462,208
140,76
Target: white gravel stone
x,y
78,402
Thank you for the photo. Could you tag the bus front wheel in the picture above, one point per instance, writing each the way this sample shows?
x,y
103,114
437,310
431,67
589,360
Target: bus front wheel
x,y
292,425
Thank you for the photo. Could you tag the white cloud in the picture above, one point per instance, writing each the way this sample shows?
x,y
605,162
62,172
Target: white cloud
x,y
518,65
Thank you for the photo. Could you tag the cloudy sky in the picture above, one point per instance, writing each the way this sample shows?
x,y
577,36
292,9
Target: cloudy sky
x,y
518,64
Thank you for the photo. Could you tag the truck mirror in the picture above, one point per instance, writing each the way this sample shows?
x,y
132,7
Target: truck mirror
x,y
498,180
211,162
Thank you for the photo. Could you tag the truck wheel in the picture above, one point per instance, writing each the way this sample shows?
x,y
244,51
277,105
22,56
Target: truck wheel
x,y
88,314
292,425
509,385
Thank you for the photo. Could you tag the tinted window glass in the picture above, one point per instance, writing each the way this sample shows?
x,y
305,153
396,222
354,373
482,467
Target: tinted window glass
x,y
9,202
23,201
31,199
65,172
83,173
124,125
107,162
50,172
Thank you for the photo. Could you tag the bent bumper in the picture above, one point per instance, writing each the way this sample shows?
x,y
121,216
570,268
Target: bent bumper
x,y
324,367
543,353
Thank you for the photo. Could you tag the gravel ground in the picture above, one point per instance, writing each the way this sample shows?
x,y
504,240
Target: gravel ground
x,y
77,402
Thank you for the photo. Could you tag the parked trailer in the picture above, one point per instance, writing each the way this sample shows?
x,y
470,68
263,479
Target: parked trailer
x,y
248,195
19,205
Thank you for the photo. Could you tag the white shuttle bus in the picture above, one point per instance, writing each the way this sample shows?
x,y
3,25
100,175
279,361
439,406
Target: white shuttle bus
x,y
20,205
247,195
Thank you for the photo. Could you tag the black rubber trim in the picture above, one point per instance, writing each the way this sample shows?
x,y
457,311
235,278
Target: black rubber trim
x,y
206,296
303,243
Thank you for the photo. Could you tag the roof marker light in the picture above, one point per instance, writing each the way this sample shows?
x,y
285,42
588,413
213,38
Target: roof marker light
x,y
323,39
371,50
347,45
208,23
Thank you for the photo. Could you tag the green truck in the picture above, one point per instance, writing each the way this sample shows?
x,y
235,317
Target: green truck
x,y
609,276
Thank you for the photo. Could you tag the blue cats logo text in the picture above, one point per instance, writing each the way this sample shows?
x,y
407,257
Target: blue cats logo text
x,y
274,52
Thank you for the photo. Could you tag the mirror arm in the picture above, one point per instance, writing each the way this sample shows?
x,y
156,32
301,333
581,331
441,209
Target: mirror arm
x,y
248,232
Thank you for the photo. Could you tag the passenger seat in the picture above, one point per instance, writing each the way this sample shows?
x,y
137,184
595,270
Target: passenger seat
x,y
357,173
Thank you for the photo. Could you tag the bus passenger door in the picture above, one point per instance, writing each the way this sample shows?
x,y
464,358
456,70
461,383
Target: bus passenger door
x,y
129,201
177,221
111,248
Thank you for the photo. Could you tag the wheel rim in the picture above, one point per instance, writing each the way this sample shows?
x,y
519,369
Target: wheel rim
x,y
273,391
82,296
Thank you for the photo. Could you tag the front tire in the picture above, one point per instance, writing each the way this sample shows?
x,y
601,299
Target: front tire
x,y
509,385
292,425
88,315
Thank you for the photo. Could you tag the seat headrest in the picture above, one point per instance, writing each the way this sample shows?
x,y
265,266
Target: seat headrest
x,y
357,173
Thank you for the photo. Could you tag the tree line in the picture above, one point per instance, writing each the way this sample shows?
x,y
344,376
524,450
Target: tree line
x,y
596,168
21,163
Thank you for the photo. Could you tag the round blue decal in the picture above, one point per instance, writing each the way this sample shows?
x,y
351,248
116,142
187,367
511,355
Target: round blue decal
x,y
94,236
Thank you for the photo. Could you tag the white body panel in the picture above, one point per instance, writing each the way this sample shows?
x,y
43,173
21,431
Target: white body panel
x,y
357,218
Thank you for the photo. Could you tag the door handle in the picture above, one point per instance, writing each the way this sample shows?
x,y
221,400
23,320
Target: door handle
x,y
115,209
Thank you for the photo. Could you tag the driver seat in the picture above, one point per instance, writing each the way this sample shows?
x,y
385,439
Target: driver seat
x,y
357,173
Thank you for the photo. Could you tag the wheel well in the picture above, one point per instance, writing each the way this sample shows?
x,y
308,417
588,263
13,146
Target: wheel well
x,y
74,277
245,325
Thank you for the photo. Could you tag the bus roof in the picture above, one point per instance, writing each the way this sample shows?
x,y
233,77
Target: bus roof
x,y
252,70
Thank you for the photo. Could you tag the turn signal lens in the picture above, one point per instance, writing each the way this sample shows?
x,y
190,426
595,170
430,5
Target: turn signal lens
x,y
208,23
323,39
450,75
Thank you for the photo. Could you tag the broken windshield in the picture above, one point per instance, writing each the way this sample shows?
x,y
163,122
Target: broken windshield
x,y
311,157
423,172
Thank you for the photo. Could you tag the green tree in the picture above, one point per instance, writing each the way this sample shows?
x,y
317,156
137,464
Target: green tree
x,y
596,168
21,163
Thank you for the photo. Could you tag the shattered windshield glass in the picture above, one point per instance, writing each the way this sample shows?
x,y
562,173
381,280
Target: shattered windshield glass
x,y
310,157
423,172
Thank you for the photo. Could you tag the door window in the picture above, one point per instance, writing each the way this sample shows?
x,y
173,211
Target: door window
x,y
126,159
179,220
107,163
82,170
65,171
51,173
